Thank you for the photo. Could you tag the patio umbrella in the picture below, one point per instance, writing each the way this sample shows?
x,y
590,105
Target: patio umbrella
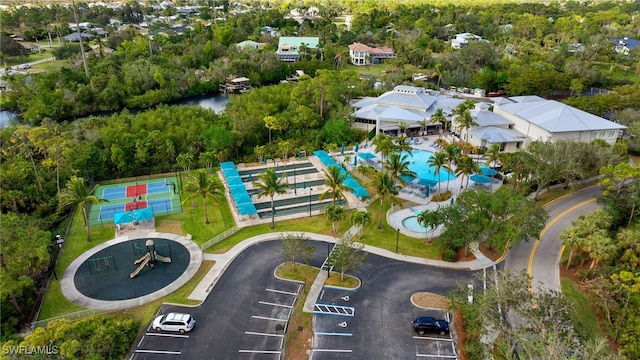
x,y
355,160
342,149
411,137
356,148
250,177
426,182
480,179
488,171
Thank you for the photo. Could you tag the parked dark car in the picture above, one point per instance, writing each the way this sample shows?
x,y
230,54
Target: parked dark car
x,y
428,325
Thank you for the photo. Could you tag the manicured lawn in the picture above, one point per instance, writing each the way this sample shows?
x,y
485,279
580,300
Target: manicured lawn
x,y
193,219
560,191
583,314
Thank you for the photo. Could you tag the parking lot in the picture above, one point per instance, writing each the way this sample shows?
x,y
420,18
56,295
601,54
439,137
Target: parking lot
x,y
437,347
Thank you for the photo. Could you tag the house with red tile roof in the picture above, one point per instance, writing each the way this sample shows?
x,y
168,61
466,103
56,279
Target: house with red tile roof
x,y
361,54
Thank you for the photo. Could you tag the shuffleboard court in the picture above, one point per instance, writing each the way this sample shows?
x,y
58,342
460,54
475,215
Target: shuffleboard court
x,y
113,193
107,211
157,187
136,190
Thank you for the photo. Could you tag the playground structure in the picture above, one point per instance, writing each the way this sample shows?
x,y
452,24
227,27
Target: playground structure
x,y
149,258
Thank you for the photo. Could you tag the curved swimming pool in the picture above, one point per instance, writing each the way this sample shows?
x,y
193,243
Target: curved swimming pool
x,y
411,223
418,163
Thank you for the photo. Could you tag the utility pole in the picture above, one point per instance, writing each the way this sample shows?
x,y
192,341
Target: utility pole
x,y
84,55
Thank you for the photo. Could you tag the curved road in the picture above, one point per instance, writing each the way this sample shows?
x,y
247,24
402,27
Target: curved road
x,y
541,258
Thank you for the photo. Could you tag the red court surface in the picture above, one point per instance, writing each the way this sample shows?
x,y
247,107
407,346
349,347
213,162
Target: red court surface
x,y
136,190
135,205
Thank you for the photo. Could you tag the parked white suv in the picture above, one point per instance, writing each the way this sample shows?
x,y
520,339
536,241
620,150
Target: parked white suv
x,y
174,322
25,66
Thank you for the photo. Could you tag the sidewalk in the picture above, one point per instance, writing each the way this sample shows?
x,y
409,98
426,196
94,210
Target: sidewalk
x,y
205,286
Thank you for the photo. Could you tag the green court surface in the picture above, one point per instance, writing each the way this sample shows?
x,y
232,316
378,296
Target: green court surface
x,y
159,195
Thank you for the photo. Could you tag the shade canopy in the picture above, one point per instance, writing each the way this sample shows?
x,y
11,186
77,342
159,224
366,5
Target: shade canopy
x,y
426,182
480,179
488,171
143,214
242,198
247,209
123,217
235,180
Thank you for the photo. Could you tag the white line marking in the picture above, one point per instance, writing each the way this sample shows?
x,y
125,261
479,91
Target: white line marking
x,y
158,352
263,334
334,333
333,350
274,304
432,338
260,351
140,342
167,335
437,356
282,292
268,318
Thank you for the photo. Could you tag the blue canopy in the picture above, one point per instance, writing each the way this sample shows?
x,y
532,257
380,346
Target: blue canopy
x,y
242,198
143,214
488,171
123,217
247,209
426,182
480,179
227,165
235,180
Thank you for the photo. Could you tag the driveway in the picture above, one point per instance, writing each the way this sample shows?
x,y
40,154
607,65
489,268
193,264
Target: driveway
x,y
541,258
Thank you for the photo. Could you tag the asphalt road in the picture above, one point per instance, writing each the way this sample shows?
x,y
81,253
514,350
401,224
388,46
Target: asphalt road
x,y
541,258
244,314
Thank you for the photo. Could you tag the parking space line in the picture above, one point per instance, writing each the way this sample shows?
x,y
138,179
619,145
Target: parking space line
x,y
268,318
261,351
282,292
140,342
333,350
167,335
432,338
263,334
274,304
437,356
159,352
334,333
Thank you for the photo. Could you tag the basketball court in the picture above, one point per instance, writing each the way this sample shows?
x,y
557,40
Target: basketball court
x,y
159,195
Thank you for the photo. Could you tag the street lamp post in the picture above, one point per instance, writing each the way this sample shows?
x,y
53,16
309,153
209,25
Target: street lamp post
x,y
397,236
295,186
310,188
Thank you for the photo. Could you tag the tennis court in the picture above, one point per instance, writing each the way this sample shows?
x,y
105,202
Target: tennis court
x,y
160,195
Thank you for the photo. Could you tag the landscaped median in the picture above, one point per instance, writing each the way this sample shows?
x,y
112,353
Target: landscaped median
x,y
300,331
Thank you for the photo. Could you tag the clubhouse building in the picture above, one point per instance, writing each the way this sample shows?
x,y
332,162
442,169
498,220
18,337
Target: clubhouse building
x,y
513,124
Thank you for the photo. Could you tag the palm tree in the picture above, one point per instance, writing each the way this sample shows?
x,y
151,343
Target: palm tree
x,y
398,167
573,239
437,162
423,126
383,145
258,151
465,167
403,145
384,186
334,213
438,71
493,154
284,148
360,218
77,195
403,127
201,184
430,219
452,157
439,118
334,181
465,122
270,184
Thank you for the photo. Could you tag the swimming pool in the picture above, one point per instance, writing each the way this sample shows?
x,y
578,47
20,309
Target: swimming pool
x,y
411,223
418,164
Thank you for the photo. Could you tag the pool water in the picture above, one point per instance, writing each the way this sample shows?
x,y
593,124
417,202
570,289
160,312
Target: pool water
x,y
411,223
418,164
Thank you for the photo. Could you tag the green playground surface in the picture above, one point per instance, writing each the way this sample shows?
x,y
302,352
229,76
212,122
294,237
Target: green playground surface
x,y
160,195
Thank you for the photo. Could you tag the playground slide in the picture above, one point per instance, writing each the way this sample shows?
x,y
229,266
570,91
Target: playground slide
x,y
144,262
164,259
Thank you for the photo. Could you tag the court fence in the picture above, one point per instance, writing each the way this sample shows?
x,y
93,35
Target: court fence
x,y
78,315
218,238
140,178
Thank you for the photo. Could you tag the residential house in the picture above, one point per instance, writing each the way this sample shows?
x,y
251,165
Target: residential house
x,y
462,40
289,47
361,54
247,44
